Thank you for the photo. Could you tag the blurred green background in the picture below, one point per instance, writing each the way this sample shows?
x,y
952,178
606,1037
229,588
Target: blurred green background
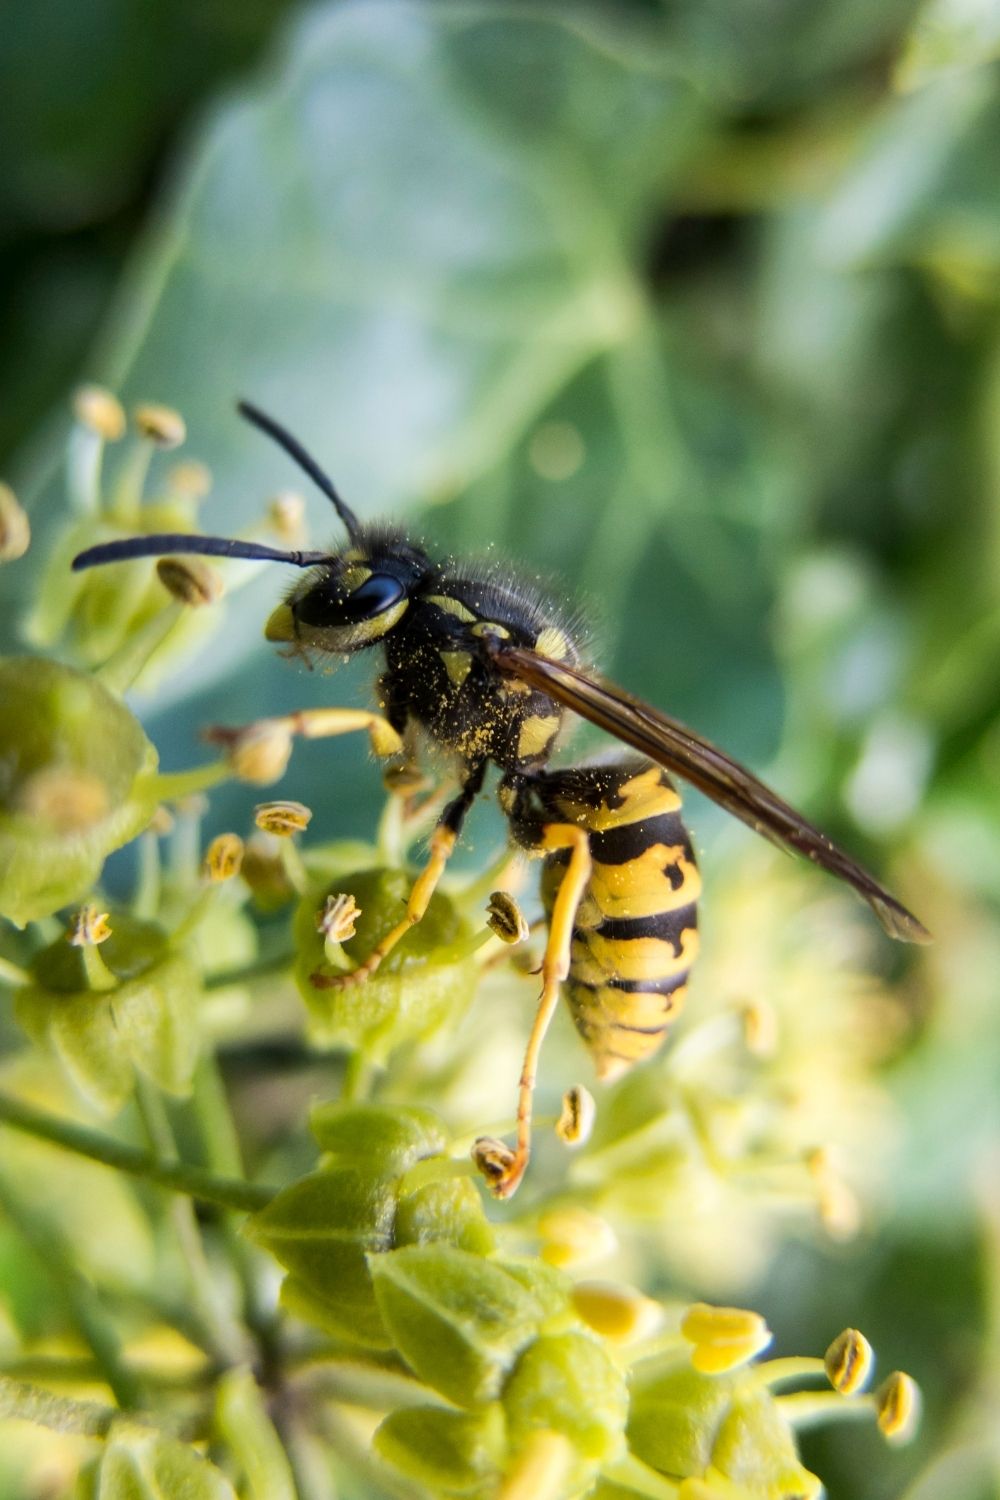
x,y
692,307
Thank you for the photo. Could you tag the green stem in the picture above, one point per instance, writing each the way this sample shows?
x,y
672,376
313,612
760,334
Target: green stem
x,y
58,1413
123,666
803,1408
82,1302
358,1074
146,898
632,1474
355,1384
225,1338
221,1143
13,974
171,786
180,1177
255,970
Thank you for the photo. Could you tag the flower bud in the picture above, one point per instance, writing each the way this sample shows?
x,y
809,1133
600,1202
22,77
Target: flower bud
x,y
142,1464
458,1320
425,982
138,1011
96,408
567,1383
447,1453
80,782
15,529
161,425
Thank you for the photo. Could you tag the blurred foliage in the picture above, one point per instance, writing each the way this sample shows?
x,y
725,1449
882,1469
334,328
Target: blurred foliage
x,y
692,305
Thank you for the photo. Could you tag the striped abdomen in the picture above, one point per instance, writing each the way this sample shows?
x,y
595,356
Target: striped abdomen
x,y
635,935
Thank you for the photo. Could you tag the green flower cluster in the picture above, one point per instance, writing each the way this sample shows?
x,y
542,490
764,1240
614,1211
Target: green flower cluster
x,y
430,1346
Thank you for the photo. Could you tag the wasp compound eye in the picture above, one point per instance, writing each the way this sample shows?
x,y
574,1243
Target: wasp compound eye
x,y
327,604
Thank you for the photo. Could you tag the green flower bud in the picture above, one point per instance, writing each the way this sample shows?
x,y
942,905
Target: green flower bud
x,y
448,1452
144,1465
459,1321
387,1138
325,1228
451,1211
321,1229
689,1426
143,1014
425,982
568,1383
77,780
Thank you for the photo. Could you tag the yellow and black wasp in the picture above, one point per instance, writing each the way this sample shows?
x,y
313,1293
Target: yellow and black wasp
x,y
487,668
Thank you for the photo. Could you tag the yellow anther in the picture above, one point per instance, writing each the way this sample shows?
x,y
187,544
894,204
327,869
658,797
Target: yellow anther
x,y
338,918
493,1158
223,857
575,1237
723,1337
15,528
897,1406
616,1312
190,479
577,1116
259,753
190,580
160,424
505,918
839,1209
96,408
541,1469
849,1362
283,817
68,798
88,928
286,515
760,1028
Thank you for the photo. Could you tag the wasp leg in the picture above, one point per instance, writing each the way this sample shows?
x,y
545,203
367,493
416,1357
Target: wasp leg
x,y
442,843
555,968
259,751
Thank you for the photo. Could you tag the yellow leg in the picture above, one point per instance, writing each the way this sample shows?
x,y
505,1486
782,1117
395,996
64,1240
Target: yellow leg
x,y
555,967
259,752
443,841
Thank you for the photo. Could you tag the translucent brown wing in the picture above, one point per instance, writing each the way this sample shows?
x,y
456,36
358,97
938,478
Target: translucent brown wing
x,y
678,749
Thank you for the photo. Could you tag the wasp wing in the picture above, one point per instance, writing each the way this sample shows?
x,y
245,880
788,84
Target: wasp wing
x,y
679,749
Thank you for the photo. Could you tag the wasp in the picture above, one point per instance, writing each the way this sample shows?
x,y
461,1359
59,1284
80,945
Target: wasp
x,y
487,669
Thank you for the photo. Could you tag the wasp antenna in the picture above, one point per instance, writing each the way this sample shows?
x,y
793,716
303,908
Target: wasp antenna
x,y
305,461
172,543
